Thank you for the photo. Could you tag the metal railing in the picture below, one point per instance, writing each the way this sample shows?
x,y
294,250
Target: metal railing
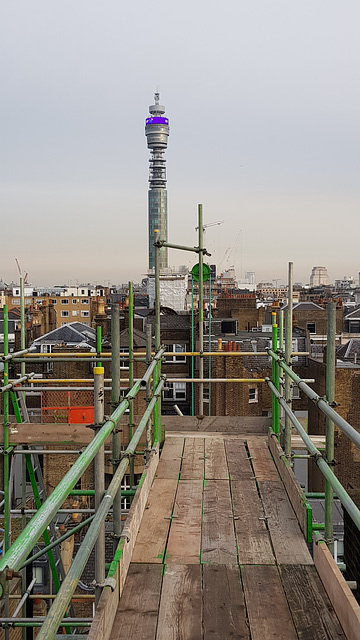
x,y
324,461
16,555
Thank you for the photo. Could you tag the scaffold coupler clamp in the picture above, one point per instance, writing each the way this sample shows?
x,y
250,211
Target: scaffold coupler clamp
x,y
125,534
316,455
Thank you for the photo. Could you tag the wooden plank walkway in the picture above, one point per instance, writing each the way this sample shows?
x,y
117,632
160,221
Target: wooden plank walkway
x,y
219,553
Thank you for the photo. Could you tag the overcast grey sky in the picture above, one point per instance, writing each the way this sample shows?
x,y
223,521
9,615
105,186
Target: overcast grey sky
x,y
263,101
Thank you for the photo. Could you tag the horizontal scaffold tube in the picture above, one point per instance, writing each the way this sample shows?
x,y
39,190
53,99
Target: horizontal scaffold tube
x,y
15,354
343,425
343,496
123,355
27,539
37,622
71,579
148,373
15,383
58,541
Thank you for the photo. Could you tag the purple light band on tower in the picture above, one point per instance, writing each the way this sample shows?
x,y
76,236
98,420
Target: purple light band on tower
x,y
157,121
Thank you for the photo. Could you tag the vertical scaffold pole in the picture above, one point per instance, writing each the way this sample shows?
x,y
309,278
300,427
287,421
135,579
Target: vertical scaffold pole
x,y
7,523
201,310
209,318
99,481
115,400
98,344
22,324
156,376
281,329
23,462
148,389
275,377
281,375
131,373
288,351
329,438
192,345
6,434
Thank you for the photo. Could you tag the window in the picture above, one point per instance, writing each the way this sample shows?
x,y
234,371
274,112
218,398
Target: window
x,y
253,394
295,392
85,301
64,314
15,301
229,326
354,326
295,348
45,348
125,484
176,349
82,292
74,301
39,301
175,391
124,362
53,301
311,327
74,313
84,314
38,573
64,301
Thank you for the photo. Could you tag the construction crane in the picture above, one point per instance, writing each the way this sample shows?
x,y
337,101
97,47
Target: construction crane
x,y
20,272
225,257
210,224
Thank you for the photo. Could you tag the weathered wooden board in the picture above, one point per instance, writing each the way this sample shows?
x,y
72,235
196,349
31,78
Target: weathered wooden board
x,y
293,489
180,614
66,434
137,613
151,540
193,463
133,521
237,458
108,603
313,615
286,536
253,540
225,424
263,465
298,443
215,459
224,606
184,541
267,608
170,459
218,543
343,601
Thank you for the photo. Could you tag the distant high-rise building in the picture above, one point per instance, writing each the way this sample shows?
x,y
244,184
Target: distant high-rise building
x,y
250,277
157,133
319,277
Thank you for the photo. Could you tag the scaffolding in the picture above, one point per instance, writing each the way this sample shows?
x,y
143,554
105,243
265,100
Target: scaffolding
x,y
17,558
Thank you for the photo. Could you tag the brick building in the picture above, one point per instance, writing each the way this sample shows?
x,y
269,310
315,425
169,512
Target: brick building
x,y
175,332
313,318
347,395
243,308
352,545
247,399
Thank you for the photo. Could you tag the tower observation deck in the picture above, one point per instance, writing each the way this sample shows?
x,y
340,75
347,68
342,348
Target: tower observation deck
x,y
157,133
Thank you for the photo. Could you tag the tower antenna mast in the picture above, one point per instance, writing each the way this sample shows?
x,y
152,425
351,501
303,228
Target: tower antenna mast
x,y
157,133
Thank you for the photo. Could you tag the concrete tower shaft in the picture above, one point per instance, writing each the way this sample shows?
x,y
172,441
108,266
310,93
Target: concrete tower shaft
x,y
157,133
